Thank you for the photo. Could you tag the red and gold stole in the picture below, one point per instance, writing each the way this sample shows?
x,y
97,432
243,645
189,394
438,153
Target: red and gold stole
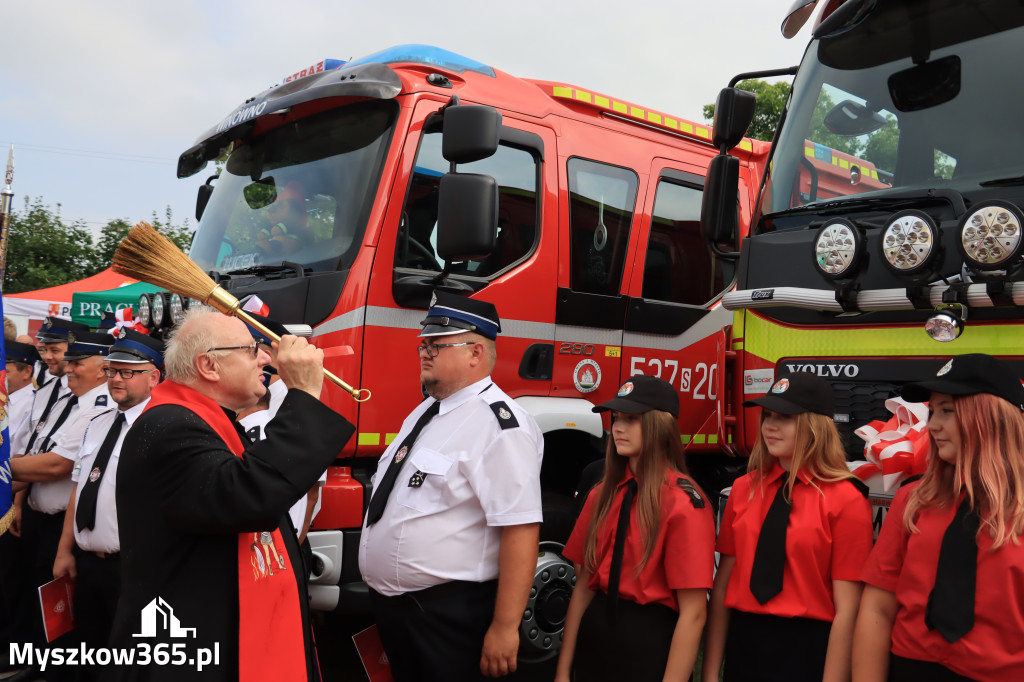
x,y
270,630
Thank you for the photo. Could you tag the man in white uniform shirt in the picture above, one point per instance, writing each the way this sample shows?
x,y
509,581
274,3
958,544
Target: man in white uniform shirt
x,y
449,543
51,385
21,359
47,467
89,548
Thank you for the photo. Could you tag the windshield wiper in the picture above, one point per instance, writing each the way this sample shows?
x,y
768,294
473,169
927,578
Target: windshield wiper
x,y
1003,182
890,201
269,271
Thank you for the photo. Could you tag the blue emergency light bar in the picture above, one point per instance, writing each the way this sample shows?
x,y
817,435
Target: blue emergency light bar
x,y
425,54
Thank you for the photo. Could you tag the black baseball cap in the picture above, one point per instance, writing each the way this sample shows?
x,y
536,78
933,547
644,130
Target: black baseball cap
x,y
967,375
797,393
641,394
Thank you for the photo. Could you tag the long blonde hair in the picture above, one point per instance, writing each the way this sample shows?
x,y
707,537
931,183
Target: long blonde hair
x,y
990,468
817,451
660,448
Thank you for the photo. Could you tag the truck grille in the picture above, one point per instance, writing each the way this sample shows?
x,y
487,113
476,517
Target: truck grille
x,y
863,402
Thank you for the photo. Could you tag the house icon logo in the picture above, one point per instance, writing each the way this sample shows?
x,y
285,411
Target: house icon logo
x,y
158,619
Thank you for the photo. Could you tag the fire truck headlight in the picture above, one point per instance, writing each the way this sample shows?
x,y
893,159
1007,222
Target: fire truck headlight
x,y
178,307
159,311
947,324
837,248
908,242
990,236
144,310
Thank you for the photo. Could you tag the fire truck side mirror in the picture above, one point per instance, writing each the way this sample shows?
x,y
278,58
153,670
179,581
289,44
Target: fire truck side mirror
x,y
719,210
470,133
734,112
467,216
203,196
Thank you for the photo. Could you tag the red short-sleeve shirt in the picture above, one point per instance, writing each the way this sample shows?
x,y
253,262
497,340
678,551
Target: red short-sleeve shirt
x,y
905,564
684,551
828,538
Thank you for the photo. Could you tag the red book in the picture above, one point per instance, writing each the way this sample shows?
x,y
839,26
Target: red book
x,y
371,653
56,599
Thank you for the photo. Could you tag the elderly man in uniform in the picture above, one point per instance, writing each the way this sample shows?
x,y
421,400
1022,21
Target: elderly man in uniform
x,y
199,509
449,544
52,452
89,547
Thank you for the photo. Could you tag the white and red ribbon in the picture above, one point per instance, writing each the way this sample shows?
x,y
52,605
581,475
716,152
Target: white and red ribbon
x,y
898,448
125,318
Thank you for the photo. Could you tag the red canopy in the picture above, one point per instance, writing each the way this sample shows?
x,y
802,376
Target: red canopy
x,y
56,301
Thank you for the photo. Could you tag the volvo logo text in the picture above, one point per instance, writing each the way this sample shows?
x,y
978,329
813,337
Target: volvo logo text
x,y
826,370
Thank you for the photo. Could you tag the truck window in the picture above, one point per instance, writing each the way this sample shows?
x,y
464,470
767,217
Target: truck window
x,y
602,199
516,171
679,266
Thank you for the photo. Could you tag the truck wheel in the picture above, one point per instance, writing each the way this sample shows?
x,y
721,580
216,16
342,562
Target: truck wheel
x,y
540,633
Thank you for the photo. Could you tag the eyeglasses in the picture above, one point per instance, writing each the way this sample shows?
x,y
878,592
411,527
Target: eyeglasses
x,y
253,349
433,349
126,374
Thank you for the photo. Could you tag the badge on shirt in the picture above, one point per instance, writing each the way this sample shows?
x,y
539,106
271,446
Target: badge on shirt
x,y
400,455
417,479
506,419
94,474
101,400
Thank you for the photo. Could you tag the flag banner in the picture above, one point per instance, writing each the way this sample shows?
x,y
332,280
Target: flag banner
x,y
6,512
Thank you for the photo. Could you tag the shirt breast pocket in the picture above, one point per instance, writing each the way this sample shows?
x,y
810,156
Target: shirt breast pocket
x,y
422,480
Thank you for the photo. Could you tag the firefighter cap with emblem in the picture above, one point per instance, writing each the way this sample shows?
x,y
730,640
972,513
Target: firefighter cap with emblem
x,y
641,394
87,344
453,314
24,353
797,393
134,348
56,330
969,374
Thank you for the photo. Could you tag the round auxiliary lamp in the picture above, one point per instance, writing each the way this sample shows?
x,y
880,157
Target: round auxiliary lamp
x,y
837,248
910,243
990,236
145,310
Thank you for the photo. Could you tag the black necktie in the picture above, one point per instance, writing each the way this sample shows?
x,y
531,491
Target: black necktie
x,y
950,608
770,555
382,490
48,441
85,514
619,548
54,394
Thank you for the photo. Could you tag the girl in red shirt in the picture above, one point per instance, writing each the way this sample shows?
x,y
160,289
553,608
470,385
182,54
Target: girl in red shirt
x,y
643,548
944,595
794,535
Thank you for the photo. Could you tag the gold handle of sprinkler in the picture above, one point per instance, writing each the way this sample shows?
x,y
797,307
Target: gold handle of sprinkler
x,y
228,304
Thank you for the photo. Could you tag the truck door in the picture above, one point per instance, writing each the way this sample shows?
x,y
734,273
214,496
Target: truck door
x,y
518,276
674,327
600,207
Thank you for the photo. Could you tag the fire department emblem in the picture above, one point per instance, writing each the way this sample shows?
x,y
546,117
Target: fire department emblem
x,y
123,333
626,389
587,376
781,386
94,474
945,369
503,413
433,300
400,455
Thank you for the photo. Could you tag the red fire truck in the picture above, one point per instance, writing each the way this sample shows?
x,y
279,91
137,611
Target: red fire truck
x,y
860,278
338,207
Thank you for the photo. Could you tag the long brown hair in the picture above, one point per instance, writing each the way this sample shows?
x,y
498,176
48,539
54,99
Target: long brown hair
x,y
817,451
661,448
990,468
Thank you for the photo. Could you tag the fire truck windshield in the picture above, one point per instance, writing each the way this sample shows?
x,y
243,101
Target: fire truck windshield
x,y
301,192
903,102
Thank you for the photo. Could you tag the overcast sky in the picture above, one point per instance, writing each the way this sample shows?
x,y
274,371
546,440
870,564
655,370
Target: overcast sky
x,y
100,97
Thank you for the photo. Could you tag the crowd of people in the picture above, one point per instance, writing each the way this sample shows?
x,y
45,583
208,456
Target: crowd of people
x,y
182,479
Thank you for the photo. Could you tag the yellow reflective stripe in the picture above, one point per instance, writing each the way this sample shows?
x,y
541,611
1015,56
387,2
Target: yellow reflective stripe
x,y
562,91
809,151
843,163
746,144
772,342
601,101
704,132
686,127
672,123
369,439
654,118
619,107
389,437
636,111
582,96
874,173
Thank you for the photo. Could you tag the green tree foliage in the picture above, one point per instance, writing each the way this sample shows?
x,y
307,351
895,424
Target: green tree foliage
x,y
771,99
116,230
44,251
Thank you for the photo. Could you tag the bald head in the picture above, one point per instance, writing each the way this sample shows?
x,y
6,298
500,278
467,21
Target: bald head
x,y
212,353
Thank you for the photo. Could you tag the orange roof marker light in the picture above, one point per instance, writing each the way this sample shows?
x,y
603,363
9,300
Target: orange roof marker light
x,y
627,111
